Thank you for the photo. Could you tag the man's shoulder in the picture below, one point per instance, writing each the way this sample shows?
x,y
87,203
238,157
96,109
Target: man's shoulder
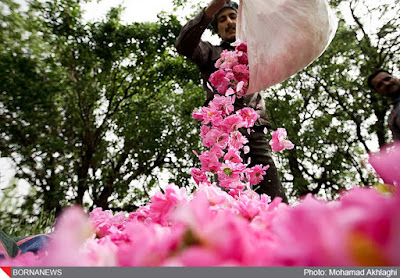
x,y
211,47
226,45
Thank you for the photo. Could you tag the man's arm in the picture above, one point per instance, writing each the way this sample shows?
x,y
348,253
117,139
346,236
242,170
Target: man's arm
x,y
214,6
189,41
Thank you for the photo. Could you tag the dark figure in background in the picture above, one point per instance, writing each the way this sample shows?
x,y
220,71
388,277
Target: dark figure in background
x,y
388,86
221,15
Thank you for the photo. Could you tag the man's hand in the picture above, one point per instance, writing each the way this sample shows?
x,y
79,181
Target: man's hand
x,y
214,6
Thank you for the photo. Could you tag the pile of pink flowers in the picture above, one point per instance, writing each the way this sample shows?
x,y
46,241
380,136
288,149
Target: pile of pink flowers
x,y
222,128
212,228
229,224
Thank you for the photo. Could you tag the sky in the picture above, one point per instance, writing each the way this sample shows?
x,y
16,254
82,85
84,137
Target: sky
x,y
142,11
136,10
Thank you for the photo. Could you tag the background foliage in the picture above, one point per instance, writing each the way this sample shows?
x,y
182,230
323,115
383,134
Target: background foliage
x,y
93,109
97,110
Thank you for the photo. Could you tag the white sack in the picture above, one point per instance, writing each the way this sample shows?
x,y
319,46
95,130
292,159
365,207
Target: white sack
x,y
283,37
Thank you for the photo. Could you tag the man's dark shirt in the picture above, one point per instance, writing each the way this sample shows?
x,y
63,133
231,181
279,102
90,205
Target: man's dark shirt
x,y
204,54
394,119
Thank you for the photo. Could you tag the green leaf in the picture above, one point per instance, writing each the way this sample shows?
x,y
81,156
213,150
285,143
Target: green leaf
x,y
9,245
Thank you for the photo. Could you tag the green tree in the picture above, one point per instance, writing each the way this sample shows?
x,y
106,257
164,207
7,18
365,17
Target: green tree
x,y
95,109
331,115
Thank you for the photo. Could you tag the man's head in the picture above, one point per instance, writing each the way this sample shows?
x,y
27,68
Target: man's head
x,y
224,22
384,84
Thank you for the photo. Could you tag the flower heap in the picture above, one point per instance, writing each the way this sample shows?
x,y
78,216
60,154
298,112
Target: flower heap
x,y
214,228
221,125
211,228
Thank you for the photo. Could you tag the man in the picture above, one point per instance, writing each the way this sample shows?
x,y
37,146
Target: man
x,y
388,86
221,15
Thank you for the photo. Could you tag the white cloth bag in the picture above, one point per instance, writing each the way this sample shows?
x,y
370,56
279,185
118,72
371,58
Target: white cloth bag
x,y
283,37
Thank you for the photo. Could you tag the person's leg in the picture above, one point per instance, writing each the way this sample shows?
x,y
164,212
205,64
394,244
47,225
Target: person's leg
x,y
260,154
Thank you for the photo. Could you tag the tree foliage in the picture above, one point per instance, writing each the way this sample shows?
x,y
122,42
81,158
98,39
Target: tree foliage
x,y
93,109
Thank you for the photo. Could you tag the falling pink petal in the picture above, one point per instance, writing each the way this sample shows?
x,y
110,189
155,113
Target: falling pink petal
x,y
387,163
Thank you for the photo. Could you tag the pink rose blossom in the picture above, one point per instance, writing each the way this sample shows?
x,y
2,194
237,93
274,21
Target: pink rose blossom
x,y
227,61
232,123
241,73
204,129
101,252
72,230
217,78
198,115
237,140
215,195
211,115
240,46
243,58
223,104
209,161
249,116
249,207
387,164
199,176
216,137
105,222
279,142
255,174
233,155
161,206
149,244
